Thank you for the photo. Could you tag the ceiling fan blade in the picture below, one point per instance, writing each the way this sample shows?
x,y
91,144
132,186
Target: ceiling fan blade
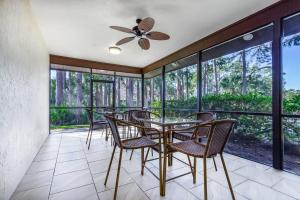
x,y
123,29
146,24
125,40
144,43
155,35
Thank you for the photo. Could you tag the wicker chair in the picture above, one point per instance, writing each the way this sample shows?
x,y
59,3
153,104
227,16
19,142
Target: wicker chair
x,y
95,125
219,133
145,114
133,143
187,135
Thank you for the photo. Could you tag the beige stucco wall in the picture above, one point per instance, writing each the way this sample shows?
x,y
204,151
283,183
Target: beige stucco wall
x,y
24,92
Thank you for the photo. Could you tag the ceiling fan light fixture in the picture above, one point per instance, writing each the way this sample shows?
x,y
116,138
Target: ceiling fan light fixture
x,y
114,50
248,37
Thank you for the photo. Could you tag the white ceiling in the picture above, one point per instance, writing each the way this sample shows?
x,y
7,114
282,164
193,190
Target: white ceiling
x,y
80,28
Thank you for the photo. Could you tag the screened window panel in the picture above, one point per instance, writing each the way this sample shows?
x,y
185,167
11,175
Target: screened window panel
x,y
153,89
237,75
128,91
181,87
69,89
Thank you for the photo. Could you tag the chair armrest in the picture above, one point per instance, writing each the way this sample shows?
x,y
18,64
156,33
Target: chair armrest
x,y
199,125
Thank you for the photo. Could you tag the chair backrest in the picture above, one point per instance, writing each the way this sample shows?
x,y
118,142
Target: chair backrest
x,y
114,129
130,115
141,114
219,133
204,117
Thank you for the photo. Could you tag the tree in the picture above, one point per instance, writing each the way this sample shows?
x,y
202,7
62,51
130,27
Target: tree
x,y
59,88
79,94
244,72
129,92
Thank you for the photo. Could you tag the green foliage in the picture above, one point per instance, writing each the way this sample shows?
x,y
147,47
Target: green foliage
x,y
291,102
254,102
66,116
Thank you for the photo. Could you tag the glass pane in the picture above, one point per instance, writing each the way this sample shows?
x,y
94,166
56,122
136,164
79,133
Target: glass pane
x,y
291,131
102,94
66,118
252,137
291,92
237,75
153,89
128,92
291,67
181,87
69,89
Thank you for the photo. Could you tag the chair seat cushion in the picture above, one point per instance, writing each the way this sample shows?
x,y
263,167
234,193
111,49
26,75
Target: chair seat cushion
x,y
189,147
137,143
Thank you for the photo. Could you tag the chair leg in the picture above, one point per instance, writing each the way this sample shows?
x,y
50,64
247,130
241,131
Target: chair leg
x,y
205,178
106,134
190,163
131,154
227,177
215,164
195,171
147,155
87,138
90,137
112,157
118,174
142,161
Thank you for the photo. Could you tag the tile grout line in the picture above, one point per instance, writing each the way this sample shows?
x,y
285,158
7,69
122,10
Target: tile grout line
x,y
89,168
54,166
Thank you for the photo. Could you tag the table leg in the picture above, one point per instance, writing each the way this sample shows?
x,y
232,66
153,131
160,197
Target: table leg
x,y
164,162
170,156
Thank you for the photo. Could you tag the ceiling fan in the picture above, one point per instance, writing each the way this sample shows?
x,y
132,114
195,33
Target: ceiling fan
x,y
142,32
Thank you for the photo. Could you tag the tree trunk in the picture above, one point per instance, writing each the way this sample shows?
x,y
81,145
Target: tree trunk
x,y
138,93
105,95
204,78
69,88
101,95
119,91
109,93
244,75
59,88
151,91
79,94
129,92
216,77
97,96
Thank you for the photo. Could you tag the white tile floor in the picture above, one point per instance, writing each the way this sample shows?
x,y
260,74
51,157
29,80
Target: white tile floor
x,y
65,169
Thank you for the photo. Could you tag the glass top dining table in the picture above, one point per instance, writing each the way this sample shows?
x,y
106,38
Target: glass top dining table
x,y
171,121
167,124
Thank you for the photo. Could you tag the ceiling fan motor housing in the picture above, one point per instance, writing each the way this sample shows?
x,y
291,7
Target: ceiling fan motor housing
x,y
137,31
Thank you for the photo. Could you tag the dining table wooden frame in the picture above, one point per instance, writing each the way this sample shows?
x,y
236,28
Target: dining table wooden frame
x,y
166,126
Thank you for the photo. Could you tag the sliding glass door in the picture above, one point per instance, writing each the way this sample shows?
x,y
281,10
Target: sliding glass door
x,y
291,93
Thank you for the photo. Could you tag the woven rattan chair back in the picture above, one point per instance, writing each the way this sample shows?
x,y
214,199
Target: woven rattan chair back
x,y
205,117
142,114
130,115
219,133
114,129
